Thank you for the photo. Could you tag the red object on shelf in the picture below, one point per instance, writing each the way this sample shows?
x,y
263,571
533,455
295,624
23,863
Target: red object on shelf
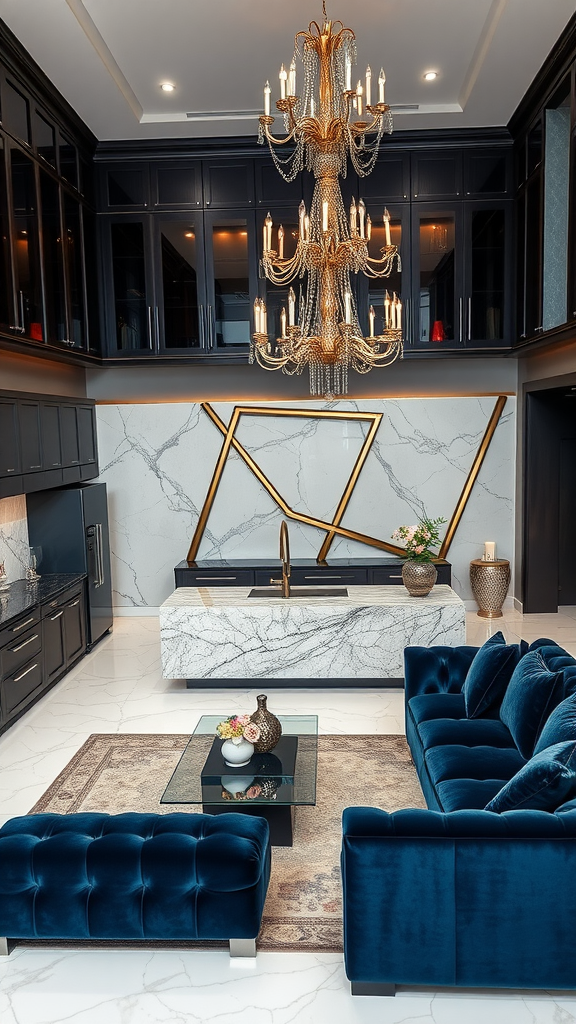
x,y
36,332
438,331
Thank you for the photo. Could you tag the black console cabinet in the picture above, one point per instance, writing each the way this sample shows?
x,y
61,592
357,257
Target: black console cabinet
x,y
381,572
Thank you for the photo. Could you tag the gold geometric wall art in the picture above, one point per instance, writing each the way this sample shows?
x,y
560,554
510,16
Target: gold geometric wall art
x,y
334,528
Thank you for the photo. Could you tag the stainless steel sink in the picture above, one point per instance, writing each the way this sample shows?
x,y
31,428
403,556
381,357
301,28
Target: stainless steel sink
x,y
262,592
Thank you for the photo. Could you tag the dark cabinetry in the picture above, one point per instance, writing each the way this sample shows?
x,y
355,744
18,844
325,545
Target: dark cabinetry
x,y
304,572
38,647
45,442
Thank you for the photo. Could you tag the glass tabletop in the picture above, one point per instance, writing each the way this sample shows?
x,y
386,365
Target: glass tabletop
x,y
284,776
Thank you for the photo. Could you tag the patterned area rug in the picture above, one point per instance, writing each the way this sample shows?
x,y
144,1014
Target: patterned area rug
x,y
116,773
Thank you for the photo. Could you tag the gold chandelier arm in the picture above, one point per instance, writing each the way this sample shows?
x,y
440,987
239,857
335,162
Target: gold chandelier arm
x,y
265,121
281,271
356,129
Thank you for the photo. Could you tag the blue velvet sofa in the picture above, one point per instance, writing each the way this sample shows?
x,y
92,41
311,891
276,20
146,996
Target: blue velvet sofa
x,y
134,876
461,895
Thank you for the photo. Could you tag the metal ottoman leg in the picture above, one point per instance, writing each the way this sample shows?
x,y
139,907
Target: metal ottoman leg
x,y
242,947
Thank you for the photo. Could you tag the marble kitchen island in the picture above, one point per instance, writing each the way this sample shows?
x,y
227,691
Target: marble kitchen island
x,y
220,634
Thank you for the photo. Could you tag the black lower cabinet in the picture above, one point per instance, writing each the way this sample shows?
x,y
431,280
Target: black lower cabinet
x,y
38,647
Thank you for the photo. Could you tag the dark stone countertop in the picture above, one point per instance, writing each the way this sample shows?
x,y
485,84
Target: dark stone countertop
x,y
21,597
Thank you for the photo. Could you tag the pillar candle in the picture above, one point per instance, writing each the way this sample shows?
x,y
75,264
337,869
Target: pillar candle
x,y
387,310
489,551
359,91
267,91
291,307
257,316
268,233
283,76
292,79
368,86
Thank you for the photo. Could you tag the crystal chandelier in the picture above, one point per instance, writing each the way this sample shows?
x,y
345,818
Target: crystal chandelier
x,y
325,125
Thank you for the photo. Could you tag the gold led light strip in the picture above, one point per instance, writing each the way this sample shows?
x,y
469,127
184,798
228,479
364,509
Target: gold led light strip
x,y
332,529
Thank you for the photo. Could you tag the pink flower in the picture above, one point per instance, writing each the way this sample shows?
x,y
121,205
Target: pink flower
x,y
243,719
251,732
419,549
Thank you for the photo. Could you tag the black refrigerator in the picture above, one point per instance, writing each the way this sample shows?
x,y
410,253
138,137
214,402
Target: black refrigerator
x,y
71,527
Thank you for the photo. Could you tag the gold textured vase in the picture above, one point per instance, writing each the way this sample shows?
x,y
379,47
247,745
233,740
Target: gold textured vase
x,y
270,728
418,577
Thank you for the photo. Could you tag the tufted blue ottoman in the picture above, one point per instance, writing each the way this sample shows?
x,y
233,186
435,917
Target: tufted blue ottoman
x,y
134,876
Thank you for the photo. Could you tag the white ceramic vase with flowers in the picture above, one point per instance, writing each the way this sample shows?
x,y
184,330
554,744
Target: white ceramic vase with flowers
x,y
239,734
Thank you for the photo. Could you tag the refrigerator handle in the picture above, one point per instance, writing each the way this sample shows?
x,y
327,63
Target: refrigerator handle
x,y
99,556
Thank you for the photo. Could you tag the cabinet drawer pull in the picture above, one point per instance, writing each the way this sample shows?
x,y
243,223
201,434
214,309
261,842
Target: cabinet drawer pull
x,y
198,578
74,603
325,576
22,674
14,650
36,467
398,576
54,617
16,629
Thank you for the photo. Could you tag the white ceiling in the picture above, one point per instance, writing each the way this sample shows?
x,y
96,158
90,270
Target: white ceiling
x,y
107,57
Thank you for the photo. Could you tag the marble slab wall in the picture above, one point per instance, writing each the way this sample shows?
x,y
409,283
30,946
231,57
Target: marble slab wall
x,y
158,460
14,542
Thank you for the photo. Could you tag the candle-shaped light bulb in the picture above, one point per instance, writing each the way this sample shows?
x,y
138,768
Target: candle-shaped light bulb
x,y
283,322
399,314
394,310
362,217
268,233
387,310
368,227
387,225
281,242
283,76
267,91
258,316
291,307
353,227
301,216
292,79
348,71
347,308
371,318
359,94
263,317
325,215
381,82
368,86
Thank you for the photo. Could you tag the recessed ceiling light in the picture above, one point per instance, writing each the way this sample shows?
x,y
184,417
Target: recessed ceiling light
x,y
167,86
429,76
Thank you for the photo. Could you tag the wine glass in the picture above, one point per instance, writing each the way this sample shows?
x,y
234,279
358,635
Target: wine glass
x,y
35,558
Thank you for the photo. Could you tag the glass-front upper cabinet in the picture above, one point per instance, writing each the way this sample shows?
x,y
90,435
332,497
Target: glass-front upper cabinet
x,y
130,301
53,260
231,279
75,272
487,274
437,318
555,241
25,247
7,317
179,311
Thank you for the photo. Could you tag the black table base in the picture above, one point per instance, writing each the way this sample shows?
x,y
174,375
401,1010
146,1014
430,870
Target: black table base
x,y
279,817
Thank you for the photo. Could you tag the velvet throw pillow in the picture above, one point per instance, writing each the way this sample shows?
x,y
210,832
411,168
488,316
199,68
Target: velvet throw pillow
x,y
532,694
546,782
560,725
489,675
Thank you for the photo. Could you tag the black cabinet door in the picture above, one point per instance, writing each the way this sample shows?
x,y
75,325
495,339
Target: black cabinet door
x,y
86,434
129,285
177,185
74,266
272,190
74,628
228,183
487,274
125,187
437,277
29,429
231,279
436,175
9,447
53,261
180,283
389,181
69,436
488,173
53,644
50,431
26,246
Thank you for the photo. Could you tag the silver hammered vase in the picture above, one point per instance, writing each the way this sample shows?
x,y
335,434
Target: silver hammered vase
x,y
418,577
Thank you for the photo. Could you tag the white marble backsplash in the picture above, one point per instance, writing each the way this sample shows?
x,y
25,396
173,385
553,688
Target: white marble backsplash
x,y
158,460
14,550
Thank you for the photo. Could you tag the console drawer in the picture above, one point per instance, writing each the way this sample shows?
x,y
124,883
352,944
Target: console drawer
x,y
18,688
21,650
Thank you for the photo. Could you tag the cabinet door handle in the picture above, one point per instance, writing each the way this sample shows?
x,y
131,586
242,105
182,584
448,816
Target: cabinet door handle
x,y
469,318
22,674
57,616
99,555
460,304
150,338
16,629
74,603
14,650
211,332
157,326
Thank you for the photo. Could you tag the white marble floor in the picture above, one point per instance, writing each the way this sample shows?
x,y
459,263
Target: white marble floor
x,y
118,688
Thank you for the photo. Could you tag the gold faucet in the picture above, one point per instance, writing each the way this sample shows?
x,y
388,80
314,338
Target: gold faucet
x,y
285,556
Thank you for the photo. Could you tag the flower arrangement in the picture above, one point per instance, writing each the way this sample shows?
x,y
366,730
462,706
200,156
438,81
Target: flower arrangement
x,y
420,538
238,727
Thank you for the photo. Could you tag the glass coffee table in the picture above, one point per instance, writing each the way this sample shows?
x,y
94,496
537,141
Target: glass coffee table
x,y
270,786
